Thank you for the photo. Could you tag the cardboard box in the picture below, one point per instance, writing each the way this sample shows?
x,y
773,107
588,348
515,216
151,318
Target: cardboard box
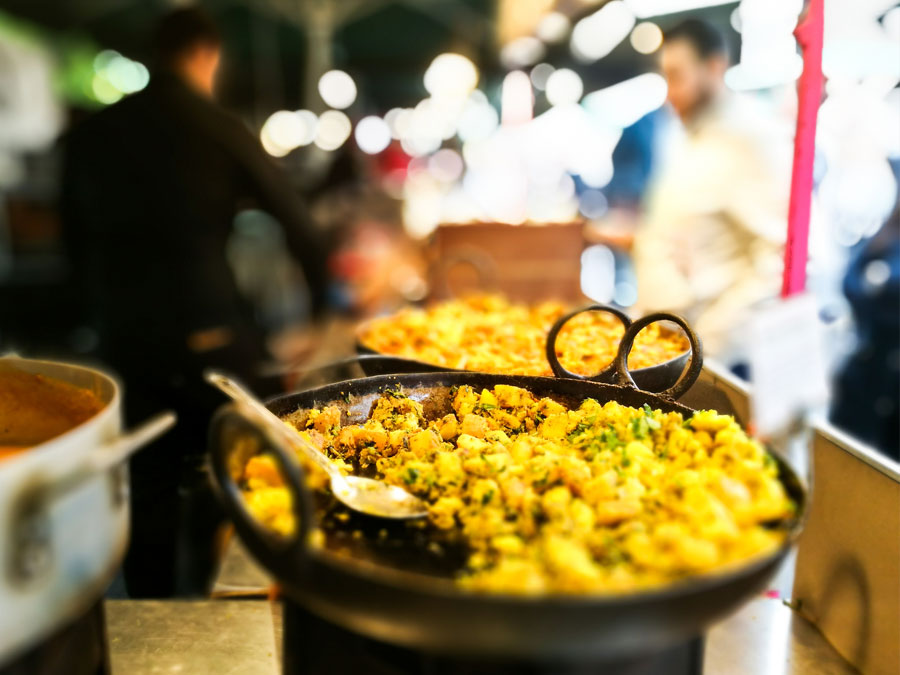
x,y
528,263
847,579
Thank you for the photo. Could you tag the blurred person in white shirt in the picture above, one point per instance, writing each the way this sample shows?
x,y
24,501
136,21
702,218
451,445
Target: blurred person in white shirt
x,y
710,244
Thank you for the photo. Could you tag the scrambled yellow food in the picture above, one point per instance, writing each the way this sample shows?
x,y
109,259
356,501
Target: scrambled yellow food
x,y
603,498
492,335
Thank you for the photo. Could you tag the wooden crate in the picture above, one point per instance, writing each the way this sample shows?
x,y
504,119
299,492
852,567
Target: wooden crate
x,y
526,262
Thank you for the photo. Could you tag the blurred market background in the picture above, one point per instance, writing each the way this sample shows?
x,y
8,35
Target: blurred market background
x,y
395,118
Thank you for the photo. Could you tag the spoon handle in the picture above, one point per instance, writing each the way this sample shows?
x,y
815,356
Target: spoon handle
x,y
270,421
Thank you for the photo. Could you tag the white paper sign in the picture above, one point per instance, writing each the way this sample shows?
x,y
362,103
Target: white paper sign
x,y
786,362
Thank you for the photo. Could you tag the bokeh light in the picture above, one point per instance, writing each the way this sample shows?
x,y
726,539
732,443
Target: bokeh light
x,y
337,89
103,90
564,86
624,103
517,99
392,118
593,204
646,37
554,27
446,165
116,75
540,74
523,51
479,119
333,130
451,75
597,35
372,135
285,130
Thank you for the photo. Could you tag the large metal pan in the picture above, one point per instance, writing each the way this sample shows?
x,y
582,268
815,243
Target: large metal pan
x,y
386,586
656,378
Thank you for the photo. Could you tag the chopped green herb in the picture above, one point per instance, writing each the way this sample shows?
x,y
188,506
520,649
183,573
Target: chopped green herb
x,y
580,429
410,476
639,427
611,439
487,497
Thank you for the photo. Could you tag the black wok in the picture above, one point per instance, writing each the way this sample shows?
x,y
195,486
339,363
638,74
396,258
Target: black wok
x,y
388,585
655,378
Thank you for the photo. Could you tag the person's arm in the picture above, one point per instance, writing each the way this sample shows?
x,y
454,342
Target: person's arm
x,y
269,186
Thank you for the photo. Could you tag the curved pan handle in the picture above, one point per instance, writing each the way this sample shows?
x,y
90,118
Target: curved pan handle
x,y
690,374
608,373
280,553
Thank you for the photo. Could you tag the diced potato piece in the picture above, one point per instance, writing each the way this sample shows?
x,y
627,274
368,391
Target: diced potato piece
x,y
325,420
617,510
710,420
449,469
443,512
423,443
497,436
485,491
556,501
475,425
263,469
464,401
508,543
448,427
555,426
487,399
511,397
696,553
471,446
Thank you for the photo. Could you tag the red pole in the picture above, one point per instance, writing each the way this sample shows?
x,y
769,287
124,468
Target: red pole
x,y
809,34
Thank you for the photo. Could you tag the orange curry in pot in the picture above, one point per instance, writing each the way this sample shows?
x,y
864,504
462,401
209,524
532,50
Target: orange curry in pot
x,y
35,408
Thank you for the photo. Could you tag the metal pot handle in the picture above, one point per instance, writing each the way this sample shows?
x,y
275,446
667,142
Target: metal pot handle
x,y
606,375
65,478
280,553
688,376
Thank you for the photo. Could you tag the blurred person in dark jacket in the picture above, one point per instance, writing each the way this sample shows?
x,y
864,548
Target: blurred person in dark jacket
x,y
866,399
151,186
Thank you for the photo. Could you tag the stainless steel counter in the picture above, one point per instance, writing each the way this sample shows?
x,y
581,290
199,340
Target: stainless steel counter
x,y
241,637
191,638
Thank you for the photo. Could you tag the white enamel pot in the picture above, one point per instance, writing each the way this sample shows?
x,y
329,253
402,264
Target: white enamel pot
x,y
64,513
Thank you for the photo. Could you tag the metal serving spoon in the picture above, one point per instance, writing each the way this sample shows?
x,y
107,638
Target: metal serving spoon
x,y
366,495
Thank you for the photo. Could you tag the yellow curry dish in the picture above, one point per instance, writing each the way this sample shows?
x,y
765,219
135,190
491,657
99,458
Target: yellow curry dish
x,y
602,498
493,335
